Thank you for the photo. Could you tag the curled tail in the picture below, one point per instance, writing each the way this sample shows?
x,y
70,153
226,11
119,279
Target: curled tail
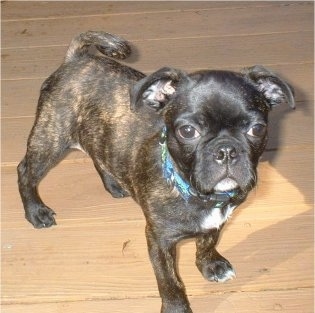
x,y
109,45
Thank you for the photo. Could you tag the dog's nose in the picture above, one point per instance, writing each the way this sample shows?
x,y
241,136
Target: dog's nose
x,y
225,154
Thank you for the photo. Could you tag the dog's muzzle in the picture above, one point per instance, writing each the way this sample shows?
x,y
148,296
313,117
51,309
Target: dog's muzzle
x,y
225,154
224,191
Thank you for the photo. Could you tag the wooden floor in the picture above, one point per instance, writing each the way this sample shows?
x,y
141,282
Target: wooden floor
x,y
96,259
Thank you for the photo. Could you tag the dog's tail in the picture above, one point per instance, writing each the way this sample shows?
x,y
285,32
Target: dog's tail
x,y
110,45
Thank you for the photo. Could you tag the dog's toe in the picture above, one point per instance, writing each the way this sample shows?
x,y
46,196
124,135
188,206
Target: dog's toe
x,y
41,217
218,270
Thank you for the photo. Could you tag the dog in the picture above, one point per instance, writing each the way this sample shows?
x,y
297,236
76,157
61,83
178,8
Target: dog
x,y
184,146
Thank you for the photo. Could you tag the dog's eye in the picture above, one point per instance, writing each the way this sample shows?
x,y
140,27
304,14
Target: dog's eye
x,y
258,130
188,132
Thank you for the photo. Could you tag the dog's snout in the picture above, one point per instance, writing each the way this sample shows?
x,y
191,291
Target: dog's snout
x,y
225,154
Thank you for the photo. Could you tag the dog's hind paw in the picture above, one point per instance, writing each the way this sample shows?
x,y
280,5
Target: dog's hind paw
x,y
41,217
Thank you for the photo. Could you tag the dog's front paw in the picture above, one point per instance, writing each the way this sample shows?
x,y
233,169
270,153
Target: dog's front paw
x,y
219,269
41,217
176,308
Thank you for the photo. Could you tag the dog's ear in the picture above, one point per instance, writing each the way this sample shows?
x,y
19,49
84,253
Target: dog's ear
x,y
275,90
156,89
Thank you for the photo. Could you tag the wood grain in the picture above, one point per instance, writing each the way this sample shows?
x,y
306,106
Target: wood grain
x,y
53,10
162,25
212,52
264,302
95,260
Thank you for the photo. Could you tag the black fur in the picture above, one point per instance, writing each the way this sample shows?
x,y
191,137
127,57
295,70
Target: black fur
x,y
216,128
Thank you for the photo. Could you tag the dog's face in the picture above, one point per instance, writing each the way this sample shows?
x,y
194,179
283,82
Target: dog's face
x,y
216,122
217,129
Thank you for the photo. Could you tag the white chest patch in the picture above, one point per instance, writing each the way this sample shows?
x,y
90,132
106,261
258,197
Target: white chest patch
x,y
215,219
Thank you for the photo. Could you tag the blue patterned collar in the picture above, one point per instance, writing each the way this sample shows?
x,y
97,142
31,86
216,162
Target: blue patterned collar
x,y
186,191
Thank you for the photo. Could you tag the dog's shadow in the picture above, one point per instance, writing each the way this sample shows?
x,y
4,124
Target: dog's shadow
x,y
285,135
135,55
287,245
289,236
285,240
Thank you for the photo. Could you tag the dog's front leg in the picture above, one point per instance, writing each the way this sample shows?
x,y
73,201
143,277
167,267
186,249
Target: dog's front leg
x,y
162,253
211,264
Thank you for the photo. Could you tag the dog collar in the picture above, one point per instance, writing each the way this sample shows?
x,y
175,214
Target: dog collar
x,y
186,191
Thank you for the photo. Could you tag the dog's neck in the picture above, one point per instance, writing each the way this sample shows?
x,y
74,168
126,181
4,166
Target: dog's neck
x,y
175,180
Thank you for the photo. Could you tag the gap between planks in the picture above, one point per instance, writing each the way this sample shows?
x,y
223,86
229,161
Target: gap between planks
x,y
145,12
87,159
131,40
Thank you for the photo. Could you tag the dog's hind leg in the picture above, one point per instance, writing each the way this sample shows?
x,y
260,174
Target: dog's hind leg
x,y
110,183
44,150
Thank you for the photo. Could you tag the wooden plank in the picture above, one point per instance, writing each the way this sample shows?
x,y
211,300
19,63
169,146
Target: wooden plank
x,y
287,301
95,259
56,259
88,199
215,52
16,130
23,103
52,10
163,25
265,224
59,256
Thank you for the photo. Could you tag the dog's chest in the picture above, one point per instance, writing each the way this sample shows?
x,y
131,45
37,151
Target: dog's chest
x,y
216,217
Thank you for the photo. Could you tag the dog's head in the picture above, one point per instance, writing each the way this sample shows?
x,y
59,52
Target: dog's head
x,y
216,121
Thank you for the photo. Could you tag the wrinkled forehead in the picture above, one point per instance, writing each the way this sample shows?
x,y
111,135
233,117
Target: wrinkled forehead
x,y
223,93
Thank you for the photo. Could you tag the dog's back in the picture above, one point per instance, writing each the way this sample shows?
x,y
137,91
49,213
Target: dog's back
x,y
86,98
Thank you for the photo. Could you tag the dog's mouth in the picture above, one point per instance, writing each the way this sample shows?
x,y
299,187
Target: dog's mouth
x,y
226,184
221,191
225,188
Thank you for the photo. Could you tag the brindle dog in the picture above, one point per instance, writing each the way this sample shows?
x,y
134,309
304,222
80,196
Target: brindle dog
x,y
184,146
